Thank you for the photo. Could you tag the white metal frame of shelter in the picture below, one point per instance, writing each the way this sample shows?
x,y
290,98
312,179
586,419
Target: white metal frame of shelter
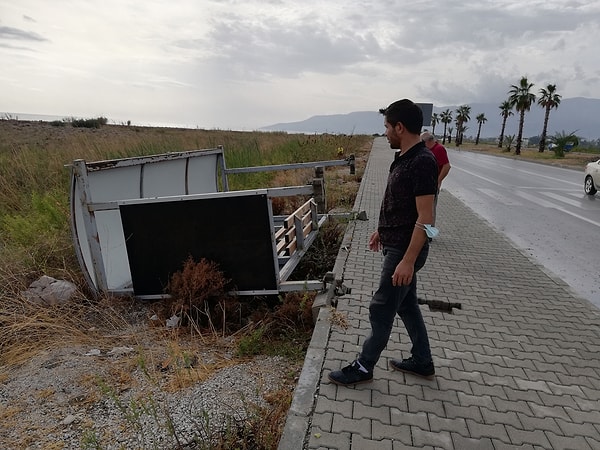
x,y
127,216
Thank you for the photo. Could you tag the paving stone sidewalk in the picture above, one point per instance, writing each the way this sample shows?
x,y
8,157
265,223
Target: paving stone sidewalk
x,y
518,366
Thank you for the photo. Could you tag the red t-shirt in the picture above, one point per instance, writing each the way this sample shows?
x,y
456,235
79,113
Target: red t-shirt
x,y
441,156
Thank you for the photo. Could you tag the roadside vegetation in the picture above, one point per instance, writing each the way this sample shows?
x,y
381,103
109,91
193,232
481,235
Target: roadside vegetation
x,y
35,240
521,97
577,158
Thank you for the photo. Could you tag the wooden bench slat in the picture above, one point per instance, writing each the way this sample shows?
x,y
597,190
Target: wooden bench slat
x,y
290,235
307,229
280,233
291,247
281,245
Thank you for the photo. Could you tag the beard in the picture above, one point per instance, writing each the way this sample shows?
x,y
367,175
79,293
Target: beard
x,y
394,144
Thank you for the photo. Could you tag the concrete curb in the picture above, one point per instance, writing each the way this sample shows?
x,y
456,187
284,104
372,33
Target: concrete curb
x,y
300,412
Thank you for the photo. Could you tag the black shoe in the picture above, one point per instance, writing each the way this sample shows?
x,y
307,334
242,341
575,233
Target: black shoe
x,y
350,375
410,366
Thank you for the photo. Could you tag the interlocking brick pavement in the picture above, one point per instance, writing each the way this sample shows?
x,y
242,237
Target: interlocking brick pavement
x,y
517,367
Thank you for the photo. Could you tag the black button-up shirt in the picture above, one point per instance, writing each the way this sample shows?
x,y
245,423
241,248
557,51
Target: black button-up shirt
x,y
412,174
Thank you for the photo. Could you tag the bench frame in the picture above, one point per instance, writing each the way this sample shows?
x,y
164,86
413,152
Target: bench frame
x,y
99,189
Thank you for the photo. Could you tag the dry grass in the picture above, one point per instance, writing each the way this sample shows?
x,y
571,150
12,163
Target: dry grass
x,y
34,213
338,319
27,329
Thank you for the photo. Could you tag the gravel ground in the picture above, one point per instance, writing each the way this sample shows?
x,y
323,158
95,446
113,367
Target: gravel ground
x,y
82,397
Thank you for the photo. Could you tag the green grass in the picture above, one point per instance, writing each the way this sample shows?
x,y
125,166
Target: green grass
x,y
35,178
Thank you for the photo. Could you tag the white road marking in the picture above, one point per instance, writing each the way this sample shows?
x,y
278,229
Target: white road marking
x,y
560,198
489,180
508,201
546,204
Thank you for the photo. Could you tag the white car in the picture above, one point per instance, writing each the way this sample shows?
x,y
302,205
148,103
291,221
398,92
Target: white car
x,y
591,182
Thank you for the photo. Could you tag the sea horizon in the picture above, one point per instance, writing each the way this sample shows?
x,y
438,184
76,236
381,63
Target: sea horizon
x,y
26,117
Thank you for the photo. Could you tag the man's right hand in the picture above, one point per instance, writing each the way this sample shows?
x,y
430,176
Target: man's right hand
x,y
374,244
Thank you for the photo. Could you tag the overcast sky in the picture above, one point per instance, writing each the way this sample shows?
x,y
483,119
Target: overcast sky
x,y
240,65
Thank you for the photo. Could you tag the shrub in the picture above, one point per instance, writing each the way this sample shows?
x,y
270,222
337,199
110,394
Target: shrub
x,y
320,257
509,139
563,142
89,123
284,331
198,291
253,343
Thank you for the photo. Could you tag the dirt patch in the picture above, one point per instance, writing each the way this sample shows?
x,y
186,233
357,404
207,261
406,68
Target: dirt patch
x,y
148,388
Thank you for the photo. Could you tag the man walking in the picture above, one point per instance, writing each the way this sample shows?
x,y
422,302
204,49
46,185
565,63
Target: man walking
x,y
406,209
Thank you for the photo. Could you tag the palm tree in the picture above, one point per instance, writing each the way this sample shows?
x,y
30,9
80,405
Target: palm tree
x,y
450,130
506,112
521,98
549,99
435,119
462,116
446,118
461,132
457,127
480,118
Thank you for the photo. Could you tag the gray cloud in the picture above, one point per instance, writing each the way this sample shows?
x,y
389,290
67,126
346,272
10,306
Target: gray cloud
x,y
492,25
461,32
260,51
261,60
19,35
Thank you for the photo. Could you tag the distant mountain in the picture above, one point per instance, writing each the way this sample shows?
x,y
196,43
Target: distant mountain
x,y
361,122
579,115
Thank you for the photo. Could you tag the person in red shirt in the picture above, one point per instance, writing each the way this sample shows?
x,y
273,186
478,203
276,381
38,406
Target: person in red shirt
x,y
443,162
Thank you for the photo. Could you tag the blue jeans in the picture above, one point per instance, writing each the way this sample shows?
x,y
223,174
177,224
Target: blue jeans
x,y
390,300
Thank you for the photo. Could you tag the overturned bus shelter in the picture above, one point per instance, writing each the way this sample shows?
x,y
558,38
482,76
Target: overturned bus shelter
x,y
135,221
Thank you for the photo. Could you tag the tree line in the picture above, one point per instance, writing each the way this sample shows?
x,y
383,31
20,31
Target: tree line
x,y
520,99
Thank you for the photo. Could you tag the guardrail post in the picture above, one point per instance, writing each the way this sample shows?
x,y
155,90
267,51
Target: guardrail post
x,y
221,166
352,162
319,190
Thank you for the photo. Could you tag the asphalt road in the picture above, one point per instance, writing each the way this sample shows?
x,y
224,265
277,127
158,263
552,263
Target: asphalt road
x,y
542,209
